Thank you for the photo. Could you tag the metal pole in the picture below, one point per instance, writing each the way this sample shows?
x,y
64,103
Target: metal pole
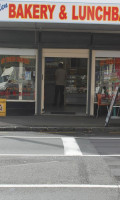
x,y
89,80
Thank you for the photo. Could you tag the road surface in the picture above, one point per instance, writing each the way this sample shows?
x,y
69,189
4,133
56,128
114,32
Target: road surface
x,y
46,166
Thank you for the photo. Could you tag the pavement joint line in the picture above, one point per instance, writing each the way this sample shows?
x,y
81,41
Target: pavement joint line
x,y
30,137
99,138
61,132
45,137
57,155
58,186
88,126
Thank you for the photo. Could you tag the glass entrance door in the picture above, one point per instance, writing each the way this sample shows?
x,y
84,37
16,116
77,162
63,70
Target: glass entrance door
x,y
75,85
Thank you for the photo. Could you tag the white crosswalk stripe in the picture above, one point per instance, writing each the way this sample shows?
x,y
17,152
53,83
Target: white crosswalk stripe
x,y
70,146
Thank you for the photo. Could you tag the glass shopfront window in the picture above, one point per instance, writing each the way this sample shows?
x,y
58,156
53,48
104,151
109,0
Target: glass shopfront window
x,y
17,77
107,77
75,84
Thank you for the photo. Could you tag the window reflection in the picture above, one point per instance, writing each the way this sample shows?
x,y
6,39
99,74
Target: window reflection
x,y
17,77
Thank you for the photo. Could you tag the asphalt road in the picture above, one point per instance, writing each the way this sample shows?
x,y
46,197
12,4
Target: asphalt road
x,y
45,166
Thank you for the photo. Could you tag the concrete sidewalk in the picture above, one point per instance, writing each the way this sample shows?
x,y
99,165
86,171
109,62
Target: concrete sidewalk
x,y
55,122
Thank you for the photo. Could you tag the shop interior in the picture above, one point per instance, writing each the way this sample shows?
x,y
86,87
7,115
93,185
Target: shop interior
x,y
17,83
17,77
75,90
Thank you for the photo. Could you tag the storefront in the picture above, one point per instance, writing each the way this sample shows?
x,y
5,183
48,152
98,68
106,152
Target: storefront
x,y
35,38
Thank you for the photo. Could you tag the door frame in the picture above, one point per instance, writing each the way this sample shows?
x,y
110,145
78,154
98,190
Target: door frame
x,y
65,53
